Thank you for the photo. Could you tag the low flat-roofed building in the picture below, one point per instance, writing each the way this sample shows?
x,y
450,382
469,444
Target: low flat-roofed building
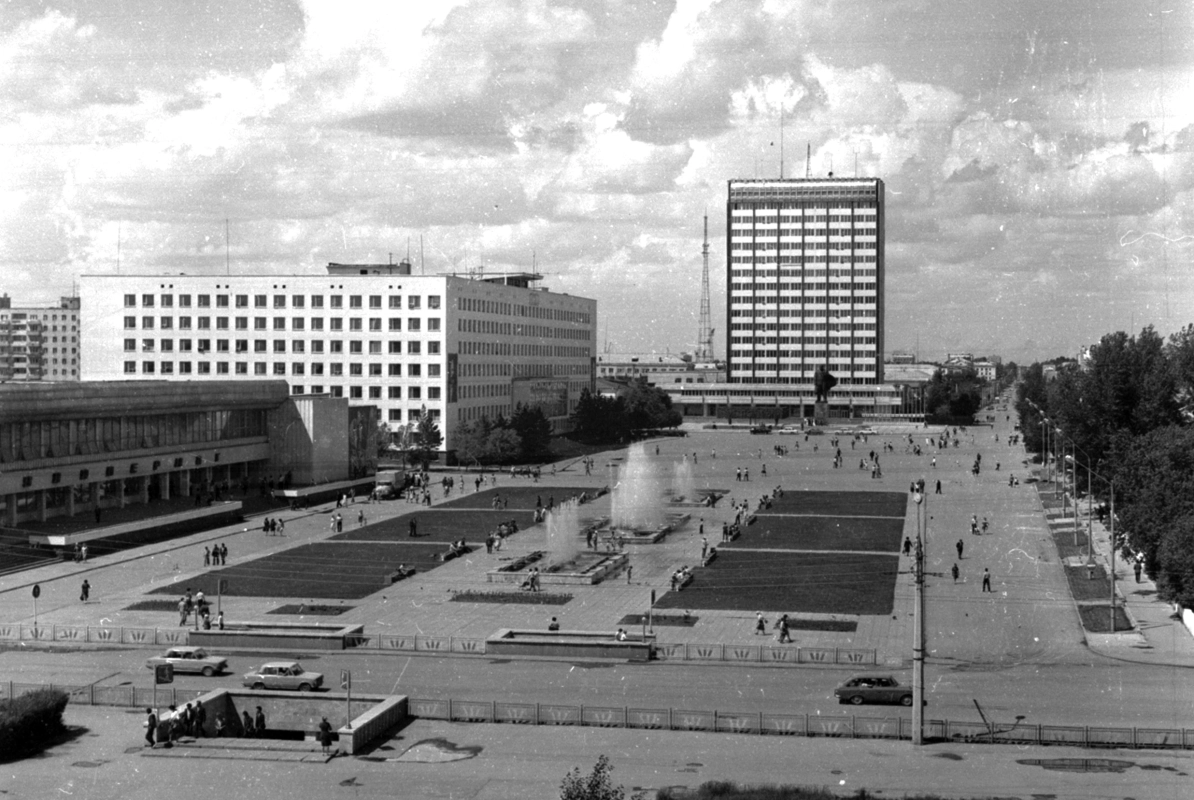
x,y
67,448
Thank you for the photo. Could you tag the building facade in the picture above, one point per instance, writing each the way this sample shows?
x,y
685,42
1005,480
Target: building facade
x,y
457,348
805,275
39,343
87,446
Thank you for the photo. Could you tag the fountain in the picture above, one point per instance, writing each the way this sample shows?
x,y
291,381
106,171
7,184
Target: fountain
x,y
637,514
565,561
683,484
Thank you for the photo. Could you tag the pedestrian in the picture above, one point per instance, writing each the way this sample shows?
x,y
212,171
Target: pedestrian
x,y
339,524
281,527
246,723
221,726
207,556
554,625
361,518
1137,568
938,486
954,572
83,550
325,735
959,547
783,629
188,719
151,726
907,546
760,624
182,612
629,569
97,515
704,548
414,528
85,591
259,722
701,530
332,523
984,525
986,580
220,620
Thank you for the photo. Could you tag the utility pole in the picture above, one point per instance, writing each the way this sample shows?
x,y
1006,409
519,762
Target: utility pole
x,y
918,623
705,324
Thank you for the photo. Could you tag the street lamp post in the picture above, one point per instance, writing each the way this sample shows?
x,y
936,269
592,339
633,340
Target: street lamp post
x,y
918,623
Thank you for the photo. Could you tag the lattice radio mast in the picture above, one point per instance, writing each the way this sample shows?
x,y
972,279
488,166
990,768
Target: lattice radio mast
x,y
705,334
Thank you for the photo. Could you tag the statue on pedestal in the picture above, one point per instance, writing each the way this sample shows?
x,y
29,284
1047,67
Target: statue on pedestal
x,y
823,381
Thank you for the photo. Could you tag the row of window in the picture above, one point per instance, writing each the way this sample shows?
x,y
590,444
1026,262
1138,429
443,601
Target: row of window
x,y
480,305
413,301
297,346
769,259
855,311
282,369
807,209
805,326
859,284
514,329
765,271
316,324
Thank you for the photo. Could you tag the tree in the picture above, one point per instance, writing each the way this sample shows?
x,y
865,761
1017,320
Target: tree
x,y
1154,490
600,419
425,441
597,785
649,407
534,430
503,446
470,441
384,439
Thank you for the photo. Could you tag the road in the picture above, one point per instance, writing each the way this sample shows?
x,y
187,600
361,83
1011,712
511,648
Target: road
x,y
1094,693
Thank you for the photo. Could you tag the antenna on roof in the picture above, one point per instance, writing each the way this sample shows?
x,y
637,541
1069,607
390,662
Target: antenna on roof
x,y
808,160
227,256
118,248
781,140
422,263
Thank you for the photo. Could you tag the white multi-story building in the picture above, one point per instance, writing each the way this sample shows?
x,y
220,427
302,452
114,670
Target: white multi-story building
x,y
458,347
39,343
805,277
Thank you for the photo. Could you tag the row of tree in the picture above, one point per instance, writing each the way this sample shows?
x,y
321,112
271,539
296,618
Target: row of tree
x,y
1128,409
600,419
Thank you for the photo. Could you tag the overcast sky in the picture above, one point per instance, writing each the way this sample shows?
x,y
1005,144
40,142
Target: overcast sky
x,y
1038,156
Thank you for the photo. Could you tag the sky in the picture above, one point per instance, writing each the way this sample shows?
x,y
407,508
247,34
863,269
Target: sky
x,y
1038,156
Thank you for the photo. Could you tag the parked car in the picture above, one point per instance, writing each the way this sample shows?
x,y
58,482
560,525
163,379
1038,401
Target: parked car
x,y
190,659
288,675
873,689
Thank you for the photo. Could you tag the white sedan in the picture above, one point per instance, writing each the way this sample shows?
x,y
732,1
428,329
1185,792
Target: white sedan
x,y
190,659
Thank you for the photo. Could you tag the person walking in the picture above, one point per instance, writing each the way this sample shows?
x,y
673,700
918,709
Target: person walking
x,y
1136,568
259,722
151,726
938,487
959,547
220,621
783,629
361,518
629,569
182,612
760,624
986,580
704,548
907,546
414,528
325,735
954,571
85,590
246,723
223,554
207,556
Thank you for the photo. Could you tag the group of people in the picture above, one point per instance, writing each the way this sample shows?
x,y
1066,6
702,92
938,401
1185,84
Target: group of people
x,y
531,582
216,555
782,627
681,578
273,527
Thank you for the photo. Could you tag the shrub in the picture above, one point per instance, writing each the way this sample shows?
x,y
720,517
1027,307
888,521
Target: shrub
x,y
31,720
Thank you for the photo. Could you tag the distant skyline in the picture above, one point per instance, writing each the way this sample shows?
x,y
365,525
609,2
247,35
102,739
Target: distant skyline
x,y
1038,157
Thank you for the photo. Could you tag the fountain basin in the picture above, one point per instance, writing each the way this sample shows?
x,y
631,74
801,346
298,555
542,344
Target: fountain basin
x,y
631,536
702,498
584,569
569,644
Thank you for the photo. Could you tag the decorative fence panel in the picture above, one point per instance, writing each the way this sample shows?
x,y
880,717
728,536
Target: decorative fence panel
x,y
393,642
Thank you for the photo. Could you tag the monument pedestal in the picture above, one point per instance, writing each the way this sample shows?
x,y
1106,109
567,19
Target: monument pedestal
x,y
821,413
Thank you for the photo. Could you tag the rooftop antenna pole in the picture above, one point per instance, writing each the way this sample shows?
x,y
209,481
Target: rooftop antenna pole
x,y
781,157
118,231
422,263
227,256
808,160
855,163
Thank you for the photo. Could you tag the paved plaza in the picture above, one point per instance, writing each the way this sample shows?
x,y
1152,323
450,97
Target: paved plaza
x,y
1029,615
